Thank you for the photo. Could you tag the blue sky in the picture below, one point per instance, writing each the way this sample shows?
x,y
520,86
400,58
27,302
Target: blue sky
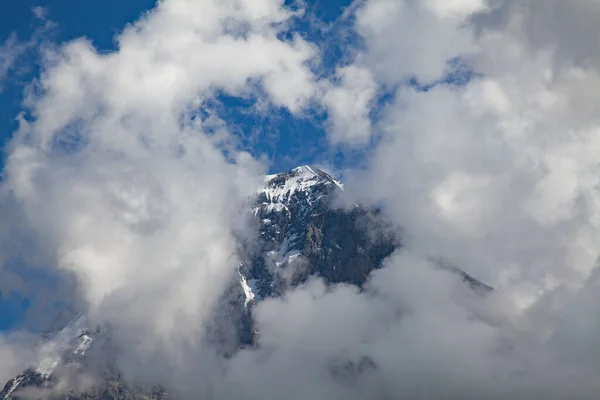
x,y
99,21
284,140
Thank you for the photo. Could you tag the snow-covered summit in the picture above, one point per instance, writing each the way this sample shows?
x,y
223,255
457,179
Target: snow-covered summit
x,y
282,186
304,184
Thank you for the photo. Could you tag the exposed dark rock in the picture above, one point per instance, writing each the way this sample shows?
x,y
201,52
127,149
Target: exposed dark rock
x,y
303,234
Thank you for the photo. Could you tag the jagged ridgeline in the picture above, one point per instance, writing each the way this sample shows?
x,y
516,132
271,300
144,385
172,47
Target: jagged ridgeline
x,y
301,234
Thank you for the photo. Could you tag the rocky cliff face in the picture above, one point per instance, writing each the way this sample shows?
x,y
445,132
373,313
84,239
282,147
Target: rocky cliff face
x,y
301,234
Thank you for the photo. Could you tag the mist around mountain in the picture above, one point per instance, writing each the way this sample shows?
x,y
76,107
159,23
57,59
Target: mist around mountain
x,y
305,234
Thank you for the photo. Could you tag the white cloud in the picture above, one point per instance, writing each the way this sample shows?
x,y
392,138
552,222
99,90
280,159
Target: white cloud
x,y
522,142
120,176
348,103
10,51
406,39
460,9
40,12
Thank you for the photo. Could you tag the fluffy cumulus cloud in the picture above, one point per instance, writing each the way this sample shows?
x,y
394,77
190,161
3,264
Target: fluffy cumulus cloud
x,y
407,39
348,101
124,179
506,162
497,176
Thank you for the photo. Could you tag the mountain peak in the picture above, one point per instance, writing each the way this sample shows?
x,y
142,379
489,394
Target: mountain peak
x,y
304,170
284,184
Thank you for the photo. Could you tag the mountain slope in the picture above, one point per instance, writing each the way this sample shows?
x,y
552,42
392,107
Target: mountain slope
x,y
301,234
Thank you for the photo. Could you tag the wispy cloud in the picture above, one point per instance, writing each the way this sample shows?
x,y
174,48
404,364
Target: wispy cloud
x,y
15,48
10,51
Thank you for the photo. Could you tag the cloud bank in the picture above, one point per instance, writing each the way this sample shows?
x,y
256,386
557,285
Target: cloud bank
x,y
123,178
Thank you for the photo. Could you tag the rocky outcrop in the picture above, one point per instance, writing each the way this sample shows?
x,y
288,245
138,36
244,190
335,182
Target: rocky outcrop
x,y
303,234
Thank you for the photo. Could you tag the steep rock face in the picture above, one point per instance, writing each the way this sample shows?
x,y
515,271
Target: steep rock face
x,y
303,234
